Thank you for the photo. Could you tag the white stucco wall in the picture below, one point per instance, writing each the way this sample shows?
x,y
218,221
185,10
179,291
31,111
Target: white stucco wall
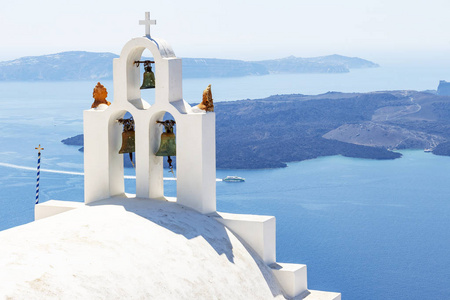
x,y
196,160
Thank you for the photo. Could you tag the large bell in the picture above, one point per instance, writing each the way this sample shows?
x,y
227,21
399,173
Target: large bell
x,y
149,78
127,142
167,146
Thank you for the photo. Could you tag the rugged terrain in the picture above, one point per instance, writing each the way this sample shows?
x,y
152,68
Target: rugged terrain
x,y
270,132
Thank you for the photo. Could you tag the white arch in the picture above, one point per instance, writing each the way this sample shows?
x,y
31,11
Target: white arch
x,y
168,72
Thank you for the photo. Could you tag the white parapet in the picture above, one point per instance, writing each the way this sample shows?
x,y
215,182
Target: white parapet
x,y
291,277
54,207
320,295
258,232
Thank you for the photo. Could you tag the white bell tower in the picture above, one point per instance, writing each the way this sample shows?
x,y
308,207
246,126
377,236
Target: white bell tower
x,y
195,133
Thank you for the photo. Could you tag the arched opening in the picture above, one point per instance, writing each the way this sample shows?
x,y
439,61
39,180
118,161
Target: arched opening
x,y
165,149
123,155
147,94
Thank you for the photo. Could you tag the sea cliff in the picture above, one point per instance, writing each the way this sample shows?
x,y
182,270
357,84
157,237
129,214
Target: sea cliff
x,y
271,132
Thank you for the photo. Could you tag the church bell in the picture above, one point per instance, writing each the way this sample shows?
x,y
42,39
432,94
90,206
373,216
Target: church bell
x,y
127,142
149,77
167,146
128,136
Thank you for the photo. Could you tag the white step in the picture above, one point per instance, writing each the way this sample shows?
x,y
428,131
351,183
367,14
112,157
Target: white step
x,y
291,277
258,232
318,295
54,207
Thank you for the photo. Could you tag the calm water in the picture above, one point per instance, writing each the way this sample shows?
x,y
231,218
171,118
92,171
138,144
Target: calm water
x,y
369,229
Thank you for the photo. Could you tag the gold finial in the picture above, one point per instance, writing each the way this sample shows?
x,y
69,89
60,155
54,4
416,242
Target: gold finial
x,y
207,101
100,93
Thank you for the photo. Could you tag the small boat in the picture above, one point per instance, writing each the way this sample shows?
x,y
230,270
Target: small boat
x,y
233,179
428,150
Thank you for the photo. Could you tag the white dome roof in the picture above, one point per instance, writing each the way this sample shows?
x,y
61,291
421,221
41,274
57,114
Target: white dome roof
x,y
133,248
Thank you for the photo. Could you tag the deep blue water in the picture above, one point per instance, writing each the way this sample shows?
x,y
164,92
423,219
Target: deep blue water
x,y
369,229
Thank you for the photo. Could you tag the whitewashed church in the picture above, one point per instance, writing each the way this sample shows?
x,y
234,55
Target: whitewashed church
x,y
147,246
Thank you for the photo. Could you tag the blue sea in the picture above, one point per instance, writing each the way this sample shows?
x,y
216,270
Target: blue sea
x,y
369,229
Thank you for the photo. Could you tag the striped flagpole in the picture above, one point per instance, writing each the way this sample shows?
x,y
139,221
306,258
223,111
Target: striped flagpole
x,y
38,172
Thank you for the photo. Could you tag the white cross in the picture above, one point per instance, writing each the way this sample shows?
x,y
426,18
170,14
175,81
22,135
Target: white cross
x,y
147,22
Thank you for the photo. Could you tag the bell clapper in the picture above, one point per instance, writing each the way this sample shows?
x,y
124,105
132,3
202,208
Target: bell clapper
x,y
131,159
169,160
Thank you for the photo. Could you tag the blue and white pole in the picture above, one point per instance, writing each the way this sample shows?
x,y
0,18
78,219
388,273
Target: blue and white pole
x,y
38,172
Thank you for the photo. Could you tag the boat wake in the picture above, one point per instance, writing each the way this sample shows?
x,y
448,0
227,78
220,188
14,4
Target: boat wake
x,y
69,172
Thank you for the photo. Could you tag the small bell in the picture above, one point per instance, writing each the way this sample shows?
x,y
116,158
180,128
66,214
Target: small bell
x,y
127,142
149,77
128,137
168,147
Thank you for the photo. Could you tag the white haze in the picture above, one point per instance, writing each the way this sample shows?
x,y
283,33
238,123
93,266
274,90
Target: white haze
x,y
384,31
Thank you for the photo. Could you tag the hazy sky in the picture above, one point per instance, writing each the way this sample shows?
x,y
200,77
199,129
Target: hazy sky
x,y
386,30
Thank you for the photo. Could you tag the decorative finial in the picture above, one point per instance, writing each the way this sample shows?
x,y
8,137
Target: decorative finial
x,y
100,93
147,22
207,100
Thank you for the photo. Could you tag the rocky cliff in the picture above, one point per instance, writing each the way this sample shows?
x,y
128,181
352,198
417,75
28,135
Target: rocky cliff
x,y
270,132
443,88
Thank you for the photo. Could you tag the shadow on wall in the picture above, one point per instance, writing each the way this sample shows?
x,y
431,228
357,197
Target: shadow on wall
x,y
186,222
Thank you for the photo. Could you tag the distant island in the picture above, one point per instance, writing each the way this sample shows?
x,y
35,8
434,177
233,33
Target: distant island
x,y
443,88
271,132
81,65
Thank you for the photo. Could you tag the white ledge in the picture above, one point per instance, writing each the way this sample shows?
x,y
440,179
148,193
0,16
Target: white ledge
x,y
258,232
291,277
54,207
